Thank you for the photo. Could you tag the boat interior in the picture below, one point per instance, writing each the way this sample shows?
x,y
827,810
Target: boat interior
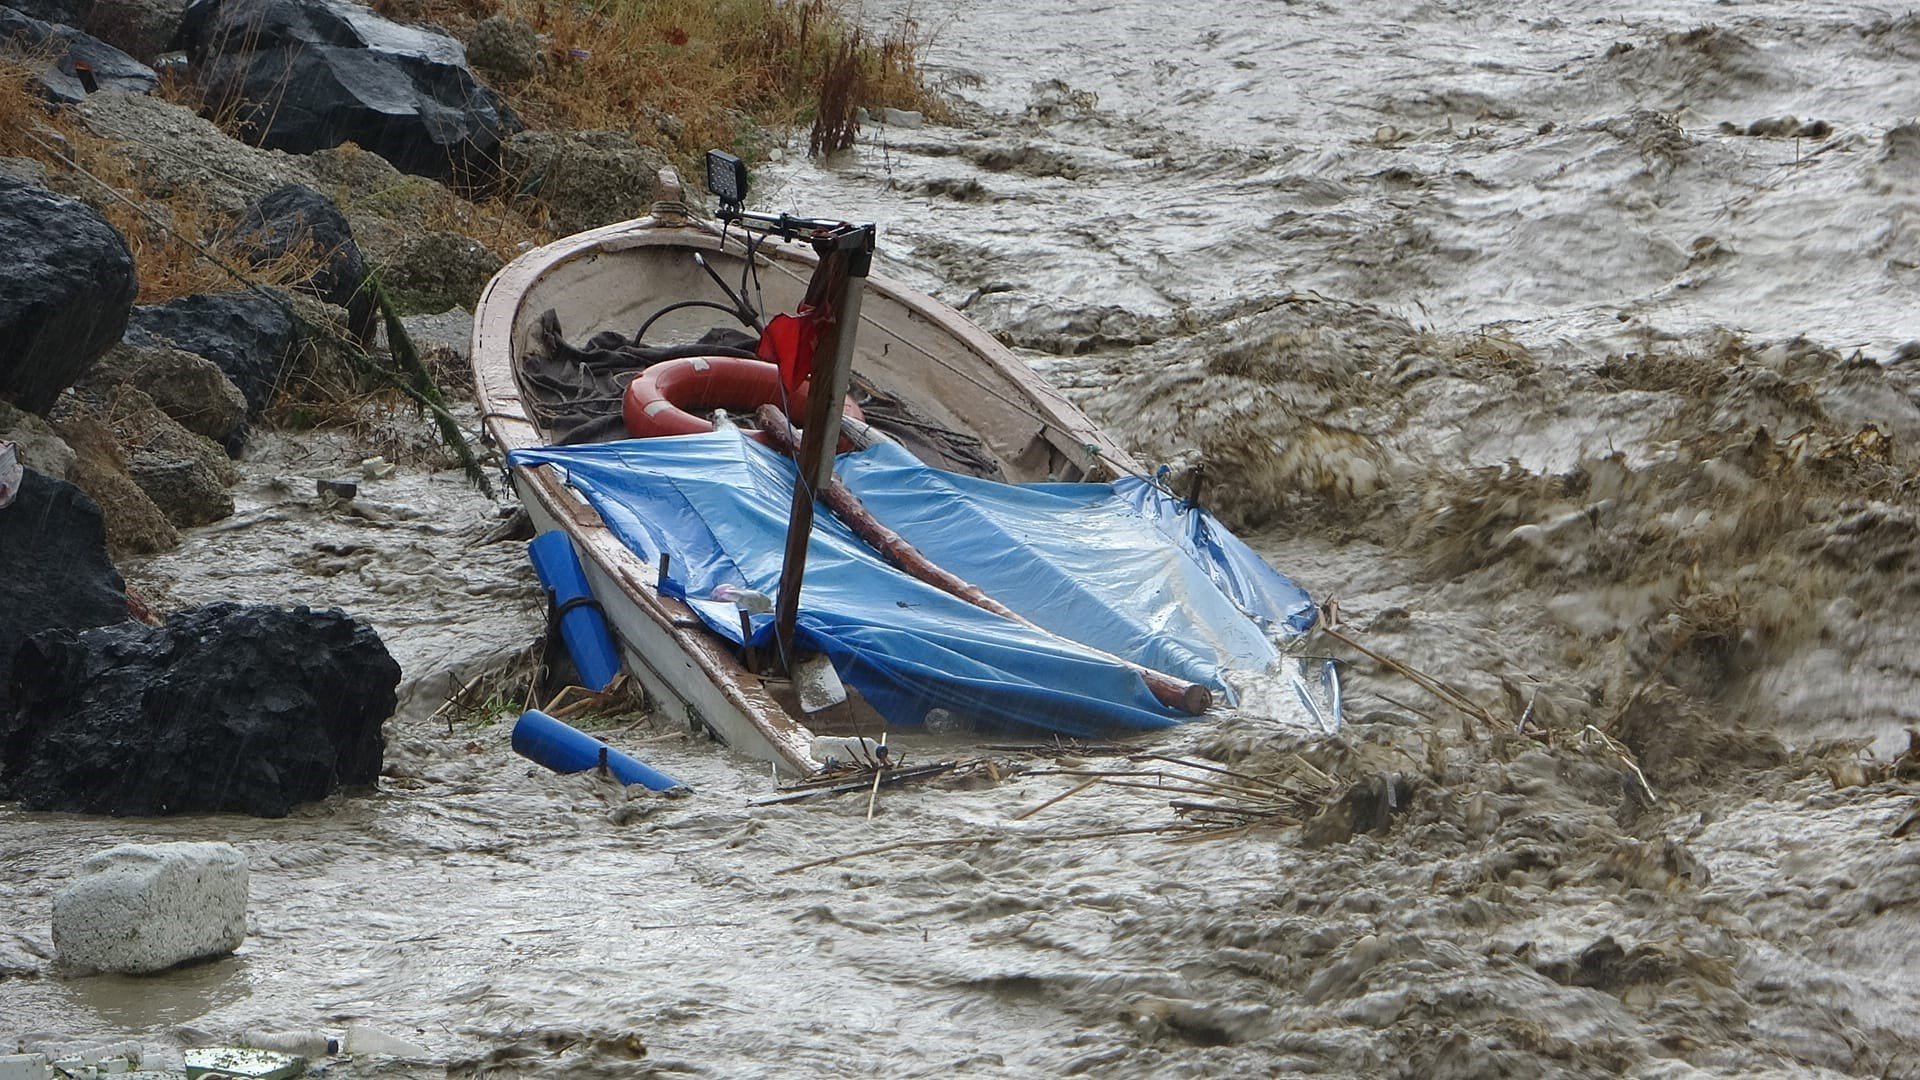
x,y
934,385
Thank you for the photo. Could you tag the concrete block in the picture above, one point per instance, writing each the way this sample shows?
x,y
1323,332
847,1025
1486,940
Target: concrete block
x,y
142,908
24,1067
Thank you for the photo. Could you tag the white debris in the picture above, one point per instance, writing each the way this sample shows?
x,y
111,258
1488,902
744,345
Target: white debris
x,y
362,1039
145,907
844,750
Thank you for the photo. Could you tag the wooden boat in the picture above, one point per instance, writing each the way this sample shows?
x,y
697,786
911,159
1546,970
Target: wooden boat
x,y
908,346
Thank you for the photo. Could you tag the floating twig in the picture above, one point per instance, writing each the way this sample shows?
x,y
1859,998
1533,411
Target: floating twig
x,y
1431,685
873,797
846,783
1064,746
1067,794
1590,734
1221,769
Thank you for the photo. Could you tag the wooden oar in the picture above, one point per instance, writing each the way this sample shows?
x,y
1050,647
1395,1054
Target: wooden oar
x,y
1175,693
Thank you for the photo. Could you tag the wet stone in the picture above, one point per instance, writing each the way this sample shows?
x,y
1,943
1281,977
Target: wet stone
x,y
54,548
65,288
311,74
247,335
223,708
57,52
296,218
142,908
189,388
506,47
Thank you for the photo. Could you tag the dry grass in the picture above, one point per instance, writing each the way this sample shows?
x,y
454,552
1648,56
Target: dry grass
x,y
160,230
723,69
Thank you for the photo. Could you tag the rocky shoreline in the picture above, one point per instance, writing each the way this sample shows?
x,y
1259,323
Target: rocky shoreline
x,y
337,173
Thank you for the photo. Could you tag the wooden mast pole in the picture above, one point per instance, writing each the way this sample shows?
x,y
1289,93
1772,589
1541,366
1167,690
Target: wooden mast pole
x,y
846,257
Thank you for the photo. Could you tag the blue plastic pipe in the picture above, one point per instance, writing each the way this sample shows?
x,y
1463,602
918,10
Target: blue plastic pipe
x,y
582,625
564,749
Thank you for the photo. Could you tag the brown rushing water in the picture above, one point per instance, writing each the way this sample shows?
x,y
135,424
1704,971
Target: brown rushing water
x,y
1473,315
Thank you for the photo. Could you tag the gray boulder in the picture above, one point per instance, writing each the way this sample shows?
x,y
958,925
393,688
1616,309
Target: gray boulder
x,y
383,205
60,55
223,708
293,216
191,389
585,179
142,908
23,170
310,74
62,12
180,153
135,526
504,47
438,270
39,446
66,285
58,576
186,475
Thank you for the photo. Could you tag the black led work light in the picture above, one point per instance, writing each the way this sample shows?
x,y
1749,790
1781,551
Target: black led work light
x,y
727,178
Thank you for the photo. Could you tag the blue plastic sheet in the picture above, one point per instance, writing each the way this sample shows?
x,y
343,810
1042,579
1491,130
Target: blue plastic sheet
x,y
1112,568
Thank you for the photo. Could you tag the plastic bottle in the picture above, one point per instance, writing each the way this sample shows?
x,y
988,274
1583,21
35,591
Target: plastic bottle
x,y
362,1039
749,600
307,1044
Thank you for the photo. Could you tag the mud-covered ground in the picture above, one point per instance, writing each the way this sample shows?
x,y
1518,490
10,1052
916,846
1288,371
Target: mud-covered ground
x,y
1569,355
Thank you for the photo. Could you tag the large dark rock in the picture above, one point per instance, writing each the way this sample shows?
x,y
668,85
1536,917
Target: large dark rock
x,y
54,51
248,335
288,218
63,12
310,74
223,708
66,284
54,570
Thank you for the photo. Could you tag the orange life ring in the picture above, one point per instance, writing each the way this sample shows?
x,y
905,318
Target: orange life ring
x,y
666,398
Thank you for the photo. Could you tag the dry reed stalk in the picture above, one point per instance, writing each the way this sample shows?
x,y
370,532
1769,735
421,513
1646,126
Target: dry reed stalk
x,y
1447,694
1067,794
720,68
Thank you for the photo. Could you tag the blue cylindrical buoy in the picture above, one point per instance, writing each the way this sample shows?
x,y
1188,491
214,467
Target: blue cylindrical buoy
x,y
582,624
565,749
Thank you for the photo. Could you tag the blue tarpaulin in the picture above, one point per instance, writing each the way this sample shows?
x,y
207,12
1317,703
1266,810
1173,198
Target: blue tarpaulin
x,y
1122,568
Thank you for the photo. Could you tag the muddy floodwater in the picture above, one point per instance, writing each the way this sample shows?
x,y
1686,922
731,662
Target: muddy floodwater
x,y
1568,348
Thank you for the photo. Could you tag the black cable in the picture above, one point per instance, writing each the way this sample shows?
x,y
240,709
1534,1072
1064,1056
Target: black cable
x,y
641,334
